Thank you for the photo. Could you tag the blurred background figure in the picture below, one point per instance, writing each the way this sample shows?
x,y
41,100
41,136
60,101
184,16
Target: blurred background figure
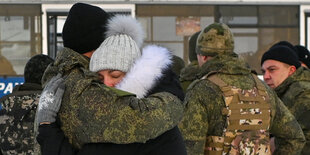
x,y
303,55
19,108
188,73
6,67
177,64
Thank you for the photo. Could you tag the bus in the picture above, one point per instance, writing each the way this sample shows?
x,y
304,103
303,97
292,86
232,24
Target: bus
x,y
30,28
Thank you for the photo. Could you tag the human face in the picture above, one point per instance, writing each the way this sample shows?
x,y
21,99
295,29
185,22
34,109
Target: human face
x,y
111,77
275,72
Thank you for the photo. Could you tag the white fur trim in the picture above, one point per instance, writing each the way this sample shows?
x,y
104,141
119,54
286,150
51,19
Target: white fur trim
x,y
121,24
146,70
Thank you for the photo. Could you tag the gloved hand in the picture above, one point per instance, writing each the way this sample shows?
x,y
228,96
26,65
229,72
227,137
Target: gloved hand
x,y
50,100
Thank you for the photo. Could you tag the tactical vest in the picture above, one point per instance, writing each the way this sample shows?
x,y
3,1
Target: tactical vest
x,y
248,120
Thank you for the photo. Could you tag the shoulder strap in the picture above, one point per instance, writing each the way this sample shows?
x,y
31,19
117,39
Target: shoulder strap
x,y
226,89
260,86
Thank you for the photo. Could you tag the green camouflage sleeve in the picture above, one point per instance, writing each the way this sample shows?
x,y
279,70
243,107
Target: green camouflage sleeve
x,y
99,114
144,119
202,113
194,126
301,111
289,138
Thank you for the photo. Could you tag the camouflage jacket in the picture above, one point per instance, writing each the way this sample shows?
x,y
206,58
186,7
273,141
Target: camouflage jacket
x,y
92,112
295,94
17,120
189,74
204,104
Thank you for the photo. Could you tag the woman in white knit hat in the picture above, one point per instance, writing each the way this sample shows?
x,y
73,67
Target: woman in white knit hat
x,y
122,65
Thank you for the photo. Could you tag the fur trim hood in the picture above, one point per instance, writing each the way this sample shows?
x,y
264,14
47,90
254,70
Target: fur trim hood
x,y
146,70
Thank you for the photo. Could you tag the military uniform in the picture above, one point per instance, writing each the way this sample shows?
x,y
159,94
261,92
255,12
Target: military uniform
x,y
219,116
295,94
177,65
189,74
92,112
17,120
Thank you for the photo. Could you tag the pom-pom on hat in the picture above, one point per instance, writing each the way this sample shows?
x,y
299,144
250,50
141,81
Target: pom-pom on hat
x,y
122,46
84,28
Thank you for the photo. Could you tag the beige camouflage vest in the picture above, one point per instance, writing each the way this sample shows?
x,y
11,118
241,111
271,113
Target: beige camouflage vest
x,y
248,120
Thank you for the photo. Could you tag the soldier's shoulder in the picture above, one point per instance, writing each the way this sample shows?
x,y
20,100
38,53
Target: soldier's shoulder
x,y
300,85
189,73
13,103
119,92
204,86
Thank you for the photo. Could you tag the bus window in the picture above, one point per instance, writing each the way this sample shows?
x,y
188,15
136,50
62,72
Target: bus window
x,y
20,37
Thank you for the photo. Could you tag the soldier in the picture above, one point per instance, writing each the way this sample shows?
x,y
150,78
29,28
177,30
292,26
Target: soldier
x,y
189,73
19,108
229,110
283,73
90,111
142,75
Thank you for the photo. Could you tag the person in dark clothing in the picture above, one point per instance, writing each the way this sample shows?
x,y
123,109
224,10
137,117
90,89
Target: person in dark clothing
x,y
120,64
19,108
303,55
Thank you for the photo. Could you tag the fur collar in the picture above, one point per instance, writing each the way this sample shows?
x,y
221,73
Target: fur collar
x,y
146,70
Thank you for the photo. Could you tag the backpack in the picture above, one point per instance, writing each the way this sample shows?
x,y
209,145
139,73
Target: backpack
x,y
248,119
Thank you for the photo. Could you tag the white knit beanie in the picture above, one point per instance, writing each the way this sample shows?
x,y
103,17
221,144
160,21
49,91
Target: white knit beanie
x,y
122,46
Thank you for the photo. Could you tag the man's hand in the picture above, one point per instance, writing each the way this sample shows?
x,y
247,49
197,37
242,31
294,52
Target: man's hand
x,y
50,100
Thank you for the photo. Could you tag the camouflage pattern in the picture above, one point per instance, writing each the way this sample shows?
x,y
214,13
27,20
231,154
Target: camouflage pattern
x,y
295,94
204,106
177,65
189,74
17,120
248,120
215,39
92,112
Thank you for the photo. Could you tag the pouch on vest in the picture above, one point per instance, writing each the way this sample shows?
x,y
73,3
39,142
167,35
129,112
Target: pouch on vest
x,y
248,120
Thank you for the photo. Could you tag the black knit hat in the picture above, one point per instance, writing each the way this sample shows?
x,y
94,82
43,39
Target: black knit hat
x,y
84,28
283,54
35,68
303,55
285,43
